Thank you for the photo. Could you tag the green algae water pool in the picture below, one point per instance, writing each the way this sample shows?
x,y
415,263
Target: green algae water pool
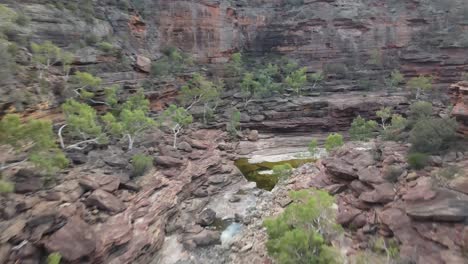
x,y
260,172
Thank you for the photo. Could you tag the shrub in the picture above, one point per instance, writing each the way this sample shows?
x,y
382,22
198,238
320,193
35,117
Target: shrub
x,y
420,84
176,118
393,131
432,135
22,19
36,139
361,129
419,110
106,47
299,234
313,147
418,160
54,258
235,67
141,164
234,123
6,187
396,78
282,171
333,141
393,172
297,79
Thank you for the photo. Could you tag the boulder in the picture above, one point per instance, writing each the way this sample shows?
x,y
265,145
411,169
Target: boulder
x,y
184,146
143,63
206,217
253,135
445,209
73,241
371,174
382,193
167,161
204,238
93,182
105,201
27,180
460,184
340,169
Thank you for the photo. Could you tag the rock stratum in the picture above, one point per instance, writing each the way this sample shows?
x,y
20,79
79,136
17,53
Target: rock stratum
x,y
348,40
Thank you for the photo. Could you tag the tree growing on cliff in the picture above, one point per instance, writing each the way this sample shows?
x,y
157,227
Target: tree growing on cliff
x,y
431,135
396,78
297,79
384,114
333,141
82,122
201,91
46,55
420,85
236,66
362,129
234,125
34,141
313,147
131,121
85,85
176,118
316,78
397,125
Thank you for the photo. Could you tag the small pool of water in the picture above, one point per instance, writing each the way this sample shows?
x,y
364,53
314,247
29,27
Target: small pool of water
x,y
261,172
230,232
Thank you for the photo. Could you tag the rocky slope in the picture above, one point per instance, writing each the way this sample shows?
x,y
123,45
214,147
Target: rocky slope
x,y
97,214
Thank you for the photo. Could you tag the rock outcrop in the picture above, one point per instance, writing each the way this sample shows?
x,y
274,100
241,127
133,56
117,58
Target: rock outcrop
x,y
94,211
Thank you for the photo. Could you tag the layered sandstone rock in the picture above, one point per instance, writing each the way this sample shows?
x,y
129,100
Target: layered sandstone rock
x,y
459,96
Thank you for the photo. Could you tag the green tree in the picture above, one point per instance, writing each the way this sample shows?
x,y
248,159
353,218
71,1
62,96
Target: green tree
x,y
316,78
47,54
298,234
7,64
419,110
86,84
396,78
34,140
333,141
132,120
234,124
82,122
420,84
384,114
251,88
313,145
361,129
236,66
201,91
297,79
397,125
176,118
431,135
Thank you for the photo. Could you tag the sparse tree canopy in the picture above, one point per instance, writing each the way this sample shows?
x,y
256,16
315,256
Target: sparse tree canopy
x,y
201,91
333,141
86,84
384,114
35,140
176,118
297,79
420,84
298,235
47,54
362,129
132,119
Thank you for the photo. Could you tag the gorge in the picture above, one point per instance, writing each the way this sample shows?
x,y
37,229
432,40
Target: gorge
x,y
151,131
